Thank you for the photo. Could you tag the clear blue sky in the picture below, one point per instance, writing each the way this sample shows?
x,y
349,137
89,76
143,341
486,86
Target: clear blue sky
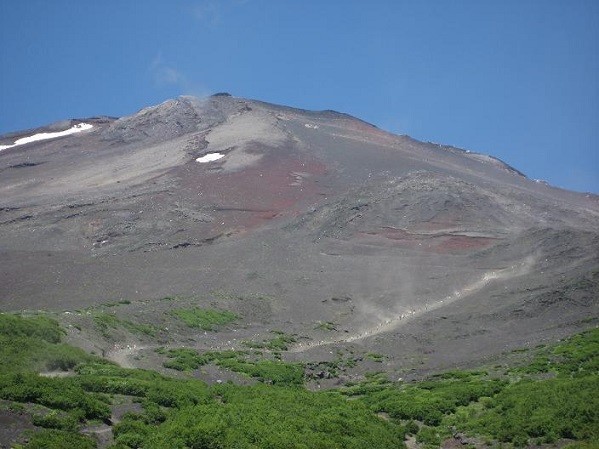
x,y
515,79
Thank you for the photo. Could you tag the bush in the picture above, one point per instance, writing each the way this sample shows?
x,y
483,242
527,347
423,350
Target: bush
x,y
549,409
412,428
53,420
59,439
106,321
430,401
274,417
268,371
206,319
32,344
62,394
37,327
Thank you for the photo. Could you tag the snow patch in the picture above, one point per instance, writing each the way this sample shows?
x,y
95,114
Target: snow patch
x,y
44,136
308,125
209,157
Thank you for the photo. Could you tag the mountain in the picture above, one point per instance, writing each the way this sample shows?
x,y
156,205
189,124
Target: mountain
x,y
346,238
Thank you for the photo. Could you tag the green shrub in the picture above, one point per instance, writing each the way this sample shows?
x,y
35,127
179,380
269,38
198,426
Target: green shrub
x,y
131,432
578,356
325,326
59,439
37,327
268,371
412,428
106,321
548,410
185,413
184,359
431,436
279,343
429,401
150,385
543,411
62,394
274,417
54,420
33,343
376,357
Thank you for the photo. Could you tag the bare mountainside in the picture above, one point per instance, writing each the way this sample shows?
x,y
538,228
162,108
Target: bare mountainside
x,y
345,237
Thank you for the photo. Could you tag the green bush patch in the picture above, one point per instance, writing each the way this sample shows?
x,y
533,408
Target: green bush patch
x,y
518,407
272,417
267,371
106,321
37,327
278,343
546,410
33,344
58,439
206,319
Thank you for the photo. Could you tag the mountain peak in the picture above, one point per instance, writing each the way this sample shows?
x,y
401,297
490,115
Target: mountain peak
x,y
325,218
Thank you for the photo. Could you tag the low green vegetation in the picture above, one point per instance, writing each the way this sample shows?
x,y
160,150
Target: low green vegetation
x,y
148,387
430,401
59,439
35,327
272,372
539,409
329,369
536,412
375,357
325,326
187,413
280,342
264,370
58,405
55,393
273,417
575,357
205,319
553,396
33,343
105,322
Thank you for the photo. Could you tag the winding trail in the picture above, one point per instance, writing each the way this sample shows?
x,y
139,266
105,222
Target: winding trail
x,y
122,354
394,322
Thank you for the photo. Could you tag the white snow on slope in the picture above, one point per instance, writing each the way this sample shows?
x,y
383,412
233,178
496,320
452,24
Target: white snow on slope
x,y
43,136
209,157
